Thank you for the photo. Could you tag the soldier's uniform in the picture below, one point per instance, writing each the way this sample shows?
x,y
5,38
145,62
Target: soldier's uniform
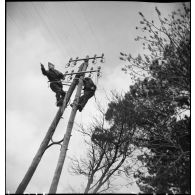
x,y
89,91
54,77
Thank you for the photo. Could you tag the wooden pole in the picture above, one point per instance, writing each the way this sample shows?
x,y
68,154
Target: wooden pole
x,y
67,135
22,186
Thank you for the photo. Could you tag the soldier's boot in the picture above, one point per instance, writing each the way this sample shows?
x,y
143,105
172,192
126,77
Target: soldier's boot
x,y
63,93
78,105
61,98
59,101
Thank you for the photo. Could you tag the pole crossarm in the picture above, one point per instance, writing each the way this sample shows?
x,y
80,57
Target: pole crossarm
x,y
87,58
67,135
94,60
76,60
89,71
22,186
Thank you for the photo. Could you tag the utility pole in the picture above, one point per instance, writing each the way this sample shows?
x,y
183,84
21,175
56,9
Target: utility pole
x,y
22,186
48,137
66,139
64,148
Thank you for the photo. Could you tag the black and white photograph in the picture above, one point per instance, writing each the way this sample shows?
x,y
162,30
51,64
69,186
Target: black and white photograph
x,y
98,97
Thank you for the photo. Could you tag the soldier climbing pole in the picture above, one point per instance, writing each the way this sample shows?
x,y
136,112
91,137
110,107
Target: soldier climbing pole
x,y
48,137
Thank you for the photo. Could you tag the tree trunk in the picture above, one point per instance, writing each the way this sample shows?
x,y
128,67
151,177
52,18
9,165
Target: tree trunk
x,y
90,181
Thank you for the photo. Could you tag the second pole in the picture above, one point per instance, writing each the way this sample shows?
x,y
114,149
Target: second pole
x,y
67,135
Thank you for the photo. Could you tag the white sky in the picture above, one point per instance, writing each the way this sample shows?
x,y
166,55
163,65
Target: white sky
x,y
55,31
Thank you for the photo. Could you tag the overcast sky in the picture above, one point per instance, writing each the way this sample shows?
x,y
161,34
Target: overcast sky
x,y
53,32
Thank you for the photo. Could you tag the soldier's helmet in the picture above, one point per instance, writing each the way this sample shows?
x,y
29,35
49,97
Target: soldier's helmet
x,y
50,65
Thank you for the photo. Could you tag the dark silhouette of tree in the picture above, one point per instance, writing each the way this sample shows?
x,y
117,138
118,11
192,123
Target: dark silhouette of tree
x,y
158,101
150,125
107,152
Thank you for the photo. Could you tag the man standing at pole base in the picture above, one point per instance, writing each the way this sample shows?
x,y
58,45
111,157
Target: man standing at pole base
x,y
55,77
